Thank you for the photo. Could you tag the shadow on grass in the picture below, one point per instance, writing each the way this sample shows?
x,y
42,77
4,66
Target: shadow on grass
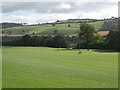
x,y
70,50
66,49
94,50
105,51
79,52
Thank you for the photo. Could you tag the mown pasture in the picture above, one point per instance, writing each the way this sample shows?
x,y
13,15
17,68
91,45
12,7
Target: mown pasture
x,y
40,67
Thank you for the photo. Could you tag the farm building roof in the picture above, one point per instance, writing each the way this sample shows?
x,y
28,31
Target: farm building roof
x,y
103,33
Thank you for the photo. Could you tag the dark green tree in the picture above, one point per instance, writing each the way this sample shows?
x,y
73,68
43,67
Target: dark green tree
x,y
26,40
55,32
53,24
87,33
113,40
23,30
59,42
69,25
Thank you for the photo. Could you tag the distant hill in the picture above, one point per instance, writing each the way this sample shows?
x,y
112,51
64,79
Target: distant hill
x,y
9,25
109,25
64,27
49,29
78,20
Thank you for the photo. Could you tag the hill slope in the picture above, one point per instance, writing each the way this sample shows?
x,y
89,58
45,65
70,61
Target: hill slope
x,y
48,29
9,25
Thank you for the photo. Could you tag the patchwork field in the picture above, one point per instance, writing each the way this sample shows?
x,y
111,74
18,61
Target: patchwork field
x,y
37,67
48,29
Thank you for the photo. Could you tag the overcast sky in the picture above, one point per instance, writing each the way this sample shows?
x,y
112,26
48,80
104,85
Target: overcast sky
x,y
39,12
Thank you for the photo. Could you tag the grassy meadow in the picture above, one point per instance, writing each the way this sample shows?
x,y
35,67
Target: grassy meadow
x,y
48,29
0,67
38,67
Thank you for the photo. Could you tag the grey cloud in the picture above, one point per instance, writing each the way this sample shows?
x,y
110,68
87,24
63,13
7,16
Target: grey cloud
x,y
45,7
96,6
27,6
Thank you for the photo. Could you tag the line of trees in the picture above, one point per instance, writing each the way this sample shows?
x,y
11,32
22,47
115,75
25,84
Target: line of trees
x,y
87,38
90,36
46,41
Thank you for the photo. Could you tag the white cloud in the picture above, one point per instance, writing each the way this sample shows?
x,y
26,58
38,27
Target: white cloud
x,y
103,13
60,0
37,18
36,13
63,5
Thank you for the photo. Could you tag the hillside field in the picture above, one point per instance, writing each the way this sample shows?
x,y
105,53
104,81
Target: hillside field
x,y
48,29
38,67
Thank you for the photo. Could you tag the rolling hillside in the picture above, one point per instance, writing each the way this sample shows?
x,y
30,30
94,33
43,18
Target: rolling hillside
x,y
61,27
48,29
8,25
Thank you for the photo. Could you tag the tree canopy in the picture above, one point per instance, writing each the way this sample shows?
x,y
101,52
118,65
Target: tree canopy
x,y
87,33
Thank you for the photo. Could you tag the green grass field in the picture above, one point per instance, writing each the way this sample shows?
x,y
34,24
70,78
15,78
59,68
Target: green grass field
x,y
37,67
48,29
0,67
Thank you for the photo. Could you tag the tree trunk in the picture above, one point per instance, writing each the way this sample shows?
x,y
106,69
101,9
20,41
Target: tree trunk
x,y
88,48
79,47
